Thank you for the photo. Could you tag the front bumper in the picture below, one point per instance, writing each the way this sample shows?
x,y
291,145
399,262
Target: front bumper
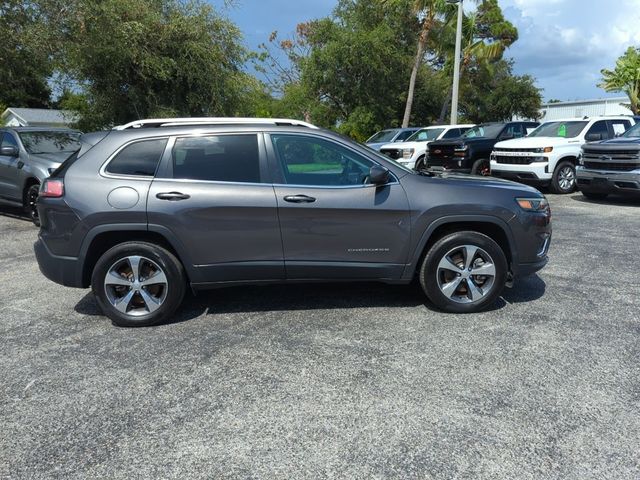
x,y
66,271
535,173
606,181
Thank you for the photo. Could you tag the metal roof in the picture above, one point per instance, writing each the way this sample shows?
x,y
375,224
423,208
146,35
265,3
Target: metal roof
x,y
41,115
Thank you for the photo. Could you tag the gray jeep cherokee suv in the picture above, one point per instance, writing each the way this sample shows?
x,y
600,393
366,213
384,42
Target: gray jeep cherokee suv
x,y
142,212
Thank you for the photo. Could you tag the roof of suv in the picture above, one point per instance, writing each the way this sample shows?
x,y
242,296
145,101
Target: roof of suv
x,y
206,121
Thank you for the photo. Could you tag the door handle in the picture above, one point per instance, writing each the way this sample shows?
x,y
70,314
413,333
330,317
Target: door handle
x,y
172,196
299,199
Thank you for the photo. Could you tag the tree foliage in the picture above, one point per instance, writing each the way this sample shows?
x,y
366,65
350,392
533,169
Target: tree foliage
x,y
625,77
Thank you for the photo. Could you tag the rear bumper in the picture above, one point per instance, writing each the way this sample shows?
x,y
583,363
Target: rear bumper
x,y
605,181
66,271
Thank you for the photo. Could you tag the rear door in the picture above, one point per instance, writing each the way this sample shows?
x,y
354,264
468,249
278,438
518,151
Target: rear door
x,y
618,126
214,194
335,225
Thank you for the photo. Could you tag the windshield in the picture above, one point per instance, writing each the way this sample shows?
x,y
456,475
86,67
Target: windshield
x,y
50,142
425,135
633,132
488,131
559,129
383,136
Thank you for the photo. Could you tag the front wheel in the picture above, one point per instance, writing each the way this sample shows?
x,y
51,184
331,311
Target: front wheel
x,y
464,272
30,203
138,284
564,178
421,164
481,167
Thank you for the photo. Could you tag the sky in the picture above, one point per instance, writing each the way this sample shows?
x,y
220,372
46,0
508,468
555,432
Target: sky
x,y
563,43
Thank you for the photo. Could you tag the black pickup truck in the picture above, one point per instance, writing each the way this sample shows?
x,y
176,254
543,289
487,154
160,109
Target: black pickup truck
x,y
470,153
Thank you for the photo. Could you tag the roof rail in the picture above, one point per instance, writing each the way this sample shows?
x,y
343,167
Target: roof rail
x,y
177,122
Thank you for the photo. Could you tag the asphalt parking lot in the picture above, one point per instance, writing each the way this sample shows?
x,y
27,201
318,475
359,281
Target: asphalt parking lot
x,y
346,381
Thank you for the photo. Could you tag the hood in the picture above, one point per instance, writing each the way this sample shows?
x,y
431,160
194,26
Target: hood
x,y
397,145
474,181
537,142
620,140
50,160
376,145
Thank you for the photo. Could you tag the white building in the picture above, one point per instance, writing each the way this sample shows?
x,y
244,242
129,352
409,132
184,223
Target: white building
x,y
36,117
582,108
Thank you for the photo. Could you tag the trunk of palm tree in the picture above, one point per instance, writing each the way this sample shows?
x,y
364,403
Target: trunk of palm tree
x,y
422,45
445,107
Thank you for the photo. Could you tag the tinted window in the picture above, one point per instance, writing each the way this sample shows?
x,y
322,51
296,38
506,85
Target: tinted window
x,y
633,132
222,158
599,128
315,161
8,140
513,131
382,136
404,135
559,129
139,158
453,133
491,130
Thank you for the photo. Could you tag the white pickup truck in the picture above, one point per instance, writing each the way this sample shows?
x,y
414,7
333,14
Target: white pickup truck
x,y
549,154
411,153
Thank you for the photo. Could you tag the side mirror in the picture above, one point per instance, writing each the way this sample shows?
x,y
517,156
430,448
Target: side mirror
x,y
9,151
378,175
593,137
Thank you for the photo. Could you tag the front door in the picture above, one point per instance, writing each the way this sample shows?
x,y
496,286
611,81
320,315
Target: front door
x,y
211,193
9,188
334,224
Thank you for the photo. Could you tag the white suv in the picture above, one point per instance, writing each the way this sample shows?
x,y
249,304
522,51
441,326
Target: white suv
x,y
548,155
411,153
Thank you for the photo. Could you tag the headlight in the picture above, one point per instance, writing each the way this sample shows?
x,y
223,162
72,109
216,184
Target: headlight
x,y
462,148
407,153
533,204
542,150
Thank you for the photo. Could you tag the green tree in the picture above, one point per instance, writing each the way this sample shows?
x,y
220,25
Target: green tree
x,y
26,66
152,58
625,77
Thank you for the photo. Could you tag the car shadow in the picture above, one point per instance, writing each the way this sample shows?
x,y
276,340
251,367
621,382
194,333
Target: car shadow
x,y
317,296
614,200
14,212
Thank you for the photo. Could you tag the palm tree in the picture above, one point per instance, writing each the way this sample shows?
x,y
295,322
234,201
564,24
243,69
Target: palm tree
x,y
428,11
625,78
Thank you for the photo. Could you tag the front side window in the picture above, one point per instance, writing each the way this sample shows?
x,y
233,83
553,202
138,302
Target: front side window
x,y
513,131
402,136
599,128
217,158
314,161
138,158
452,133
50,142
620,126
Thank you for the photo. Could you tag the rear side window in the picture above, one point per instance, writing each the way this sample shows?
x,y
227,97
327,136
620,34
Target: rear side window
x,y
139,158
453,133
221,158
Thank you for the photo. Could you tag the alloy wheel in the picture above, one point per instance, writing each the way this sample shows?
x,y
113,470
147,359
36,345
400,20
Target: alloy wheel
x,y
566,178
32,199
466,274
136,285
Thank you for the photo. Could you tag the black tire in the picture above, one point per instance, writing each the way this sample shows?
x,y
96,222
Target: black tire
x,y
595,196
481,167
152,256
558,181
421,163
431,276
30,199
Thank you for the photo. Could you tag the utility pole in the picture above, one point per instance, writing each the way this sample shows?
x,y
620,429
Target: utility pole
x,y
456,65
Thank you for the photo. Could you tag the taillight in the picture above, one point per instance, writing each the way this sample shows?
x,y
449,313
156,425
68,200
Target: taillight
x,y
52,188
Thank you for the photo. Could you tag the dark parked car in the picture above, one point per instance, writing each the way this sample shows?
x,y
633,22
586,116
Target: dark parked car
x,y
471,153
141,213
377,140
27,156
611,166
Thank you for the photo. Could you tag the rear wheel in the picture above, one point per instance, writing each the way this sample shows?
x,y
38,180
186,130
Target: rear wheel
x,y
564,178
595,196
464,272
138,284
481,167
30,203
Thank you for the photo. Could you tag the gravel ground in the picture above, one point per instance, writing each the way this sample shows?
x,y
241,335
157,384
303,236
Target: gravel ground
x,y
348,381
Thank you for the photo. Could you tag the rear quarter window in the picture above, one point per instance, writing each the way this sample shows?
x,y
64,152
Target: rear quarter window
x,y
138,159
